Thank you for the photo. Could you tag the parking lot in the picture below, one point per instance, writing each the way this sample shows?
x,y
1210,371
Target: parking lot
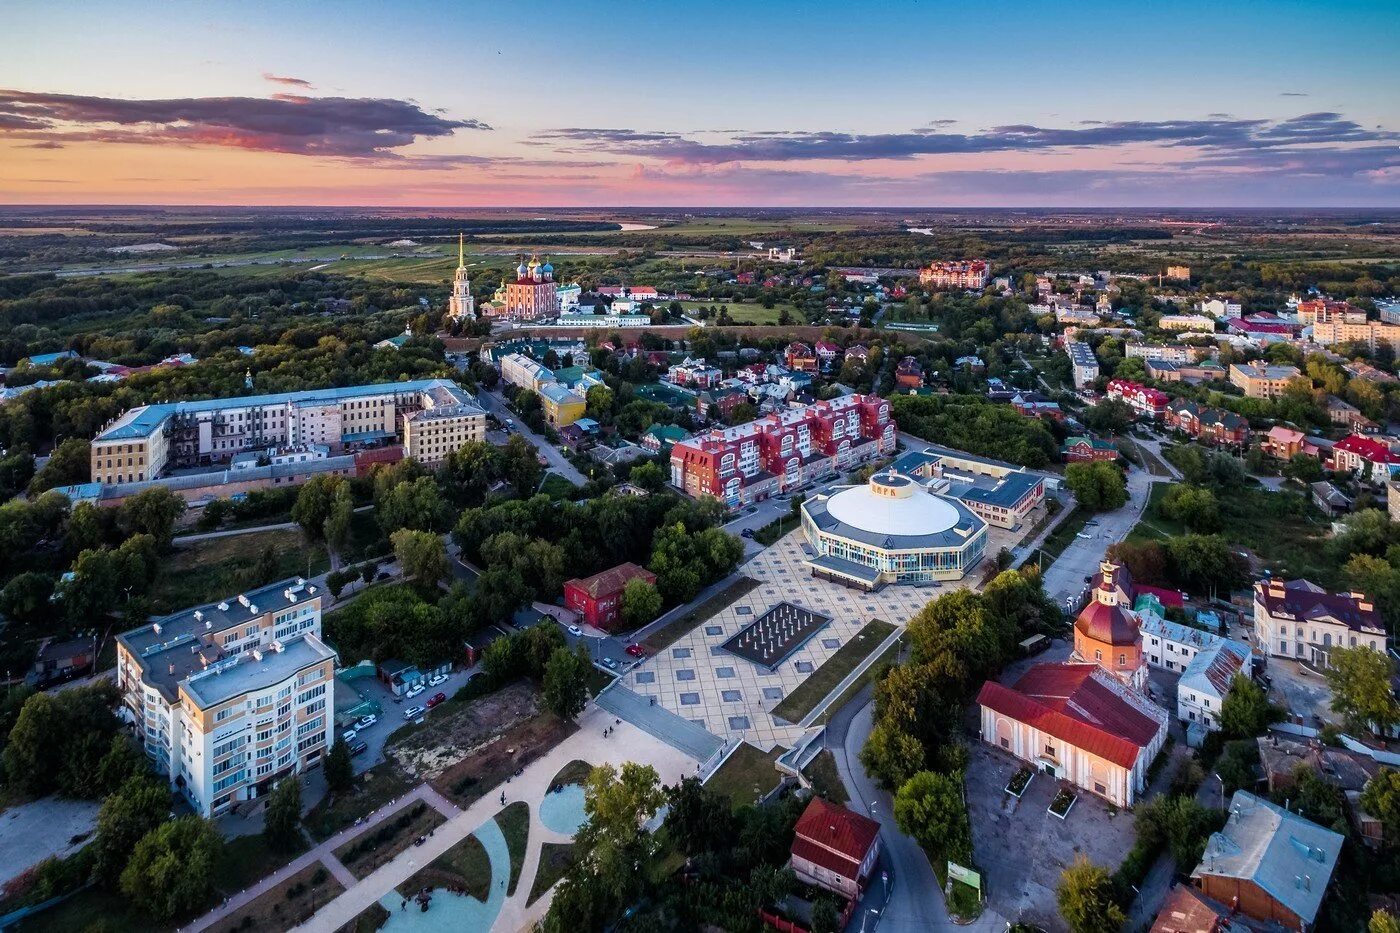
x,y
1022,848
392,715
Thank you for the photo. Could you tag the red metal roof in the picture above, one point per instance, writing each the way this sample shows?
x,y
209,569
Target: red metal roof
x,y
611,581
1069,702
1111,625
1166,597
1367,448
834,837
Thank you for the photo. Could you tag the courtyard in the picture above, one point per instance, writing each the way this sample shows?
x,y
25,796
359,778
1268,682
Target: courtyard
x,y
700,678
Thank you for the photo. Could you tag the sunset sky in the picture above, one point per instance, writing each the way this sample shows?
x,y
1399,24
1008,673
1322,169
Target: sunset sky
x,y
927,103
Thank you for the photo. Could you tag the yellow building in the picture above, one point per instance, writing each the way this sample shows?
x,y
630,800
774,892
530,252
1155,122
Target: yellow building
x,y
1261,381
562,407
230,697
1371,333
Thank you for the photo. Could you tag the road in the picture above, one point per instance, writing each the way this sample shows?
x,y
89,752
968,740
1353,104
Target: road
x,y
914,903
495,404
1065,579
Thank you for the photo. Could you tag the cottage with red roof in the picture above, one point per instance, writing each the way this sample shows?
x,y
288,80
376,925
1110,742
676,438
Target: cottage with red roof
x,y
1367,457
835,849
598,599
908,374
827,353
1078,724
800,357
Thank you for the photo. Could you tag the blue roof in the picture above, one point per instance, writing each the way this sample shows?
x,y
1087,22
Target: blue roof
x,y
47,359
1009,490
147,419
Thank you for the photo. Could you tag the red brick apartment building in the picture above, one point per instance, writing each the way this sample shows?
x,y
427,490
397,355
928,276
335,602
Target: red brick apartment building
x,y
970,273
1138,397
782,451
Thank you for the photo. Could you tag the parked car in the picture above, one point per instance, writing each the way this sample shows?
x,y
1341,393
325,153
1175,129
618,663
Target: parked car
x,y
636,651
413,712
366,721
358,748
435,699
609,663
413,691
436,679
575,631
746,533
348,736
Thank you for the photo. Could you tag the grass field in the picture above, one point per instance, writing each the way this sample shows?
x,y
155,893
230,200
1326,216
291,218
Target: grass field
x,y
826,678
555,859
219,568
746,312
826,780
771,532
465,867
285,905
373,789
746,775
379,844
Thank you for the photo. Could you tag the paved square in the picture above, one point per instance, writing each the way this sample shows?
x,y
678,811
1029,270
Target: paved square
x,y
783,576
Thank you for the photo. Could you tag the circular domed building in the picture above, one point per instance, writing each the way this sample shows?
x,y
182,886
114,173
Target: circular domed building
x,y
1107,632
891,530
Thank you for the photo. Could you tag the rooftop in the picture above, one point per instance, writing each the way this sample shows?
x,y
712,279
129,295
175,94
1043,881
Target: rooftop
x,y
254,670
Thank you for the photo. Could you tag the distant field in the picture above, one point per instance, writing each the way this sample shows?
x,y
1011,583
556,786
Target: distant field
x,y
223,567
746,312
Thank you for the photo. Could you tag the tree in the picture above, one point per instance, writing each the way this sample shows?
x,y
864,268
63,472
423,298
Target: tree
x,y
171,870
416,504
600,404
70,463
824,916
640,602
137,808
1381,799
25,599
1109,416
1360,682
282,822
520,465
1203,563
1303,468
698,819
1085,899
891,755
929,807
1193,506
1099,487
338,523
1382,921
566,682
340,773
1245,712
151,512
421,554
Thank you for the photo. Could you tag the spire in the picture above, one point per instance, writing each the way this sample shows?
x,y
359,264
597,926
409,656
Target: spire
x,y
461,254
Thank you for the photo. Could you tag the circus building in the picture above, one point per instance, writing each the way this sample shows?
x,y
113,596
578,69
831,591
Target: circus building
x,y
533,295
1108,632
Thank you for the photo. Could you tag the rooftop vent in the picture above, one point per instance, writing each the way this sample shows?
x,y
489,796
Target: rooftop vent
x,y
253,608
155,627
198,616
257,654
242,599
223,607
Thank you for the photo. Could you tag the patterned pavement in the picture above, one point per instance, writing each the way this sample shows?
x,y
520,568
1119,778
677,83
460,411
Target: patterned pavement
x,y
732,697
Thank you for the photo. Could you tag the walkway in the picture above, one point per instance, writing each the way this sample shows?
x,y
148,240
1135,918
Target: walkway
x,y
656,720
626,743
325,854
495,404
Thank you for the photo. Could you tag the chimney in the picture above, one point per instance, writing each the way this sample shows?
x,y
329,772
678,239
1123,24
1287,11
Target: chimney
x,y
172,668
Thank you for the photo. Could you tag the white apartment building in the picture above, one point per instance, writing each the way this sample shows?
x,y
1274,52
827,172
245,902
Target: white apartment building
x,y
1206,662
229,698
1083,362
1302,621
519,370
144,441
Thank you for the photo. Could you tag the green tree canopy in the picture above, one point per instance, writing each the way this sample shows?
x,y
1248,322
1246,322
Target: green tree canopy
x,y
171,870
1085,899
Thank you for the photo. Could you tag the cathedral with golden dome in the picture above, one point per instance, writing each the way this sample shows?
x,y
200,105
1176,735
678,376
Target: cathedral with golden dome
x,y
533,295
1108,632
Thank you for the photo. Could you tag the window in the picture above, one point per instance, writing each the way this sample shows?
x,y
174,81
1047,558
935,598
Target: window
x,y
1049,749
1098,655
1099,788
1005,742
1122,660
223,714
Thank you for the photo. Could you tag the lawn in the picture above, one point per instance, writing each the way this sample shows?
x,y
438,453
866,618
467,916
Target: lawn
x,y
247,859
207,571
1062,536
514,821
286,905
826,779
827,677
598,679
746,775
465,868
376,787
379,844
771,532
93,908
889,656
671,631
746,312
555,859
575,772
557,487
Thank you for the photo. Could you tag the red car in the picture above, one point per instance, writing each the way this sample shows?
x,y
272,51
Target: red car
x,y
636,651
435,699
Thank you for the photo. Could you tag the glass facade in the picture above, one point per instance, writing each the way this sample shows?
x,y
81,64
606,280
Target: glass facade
x,y
903,566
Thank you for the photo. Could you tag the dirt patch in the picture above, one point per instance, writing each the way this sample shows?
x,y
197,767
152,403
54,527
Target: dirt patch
x,y
456,733
491,763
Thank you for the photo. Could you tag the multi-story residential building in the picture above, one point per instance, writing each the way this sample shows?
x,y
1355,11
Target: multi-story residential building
x,y
1324,311
909,374
449,420
1198,322
1207,664
1179,273
1084,363
1211,425
1220,308
1258,380
784,450
1150,403
1372,334
533,295
519,370
694,373
562,407
800,358
144,441
1362,370
967,273
1367,457
1166,352
1205,371
1302,621
229,698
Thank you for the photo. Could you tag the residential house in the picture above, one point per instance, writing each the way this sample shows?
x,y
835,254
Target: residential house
x,y
1367,457
1084,448
1187,910
1302,621
1035,405
1281,757
694,373
827,354
1269,863
1349,416
659,438
1286,443
58,661
909,374
835,848
1209,425
1261,381
562,406
598,599
1331,500
1079,724
800,357
1150,403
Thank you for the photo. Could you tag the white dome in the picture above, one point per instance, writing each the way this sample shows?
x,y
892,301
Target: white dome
x,y
898,510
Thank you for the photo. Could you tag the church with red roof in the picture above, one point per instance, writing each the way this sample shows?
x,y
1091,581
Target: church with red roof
x,y
1108,632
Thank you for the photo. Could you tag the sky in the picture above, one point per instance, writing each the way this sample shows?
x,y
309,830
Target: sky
x,y
905,103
